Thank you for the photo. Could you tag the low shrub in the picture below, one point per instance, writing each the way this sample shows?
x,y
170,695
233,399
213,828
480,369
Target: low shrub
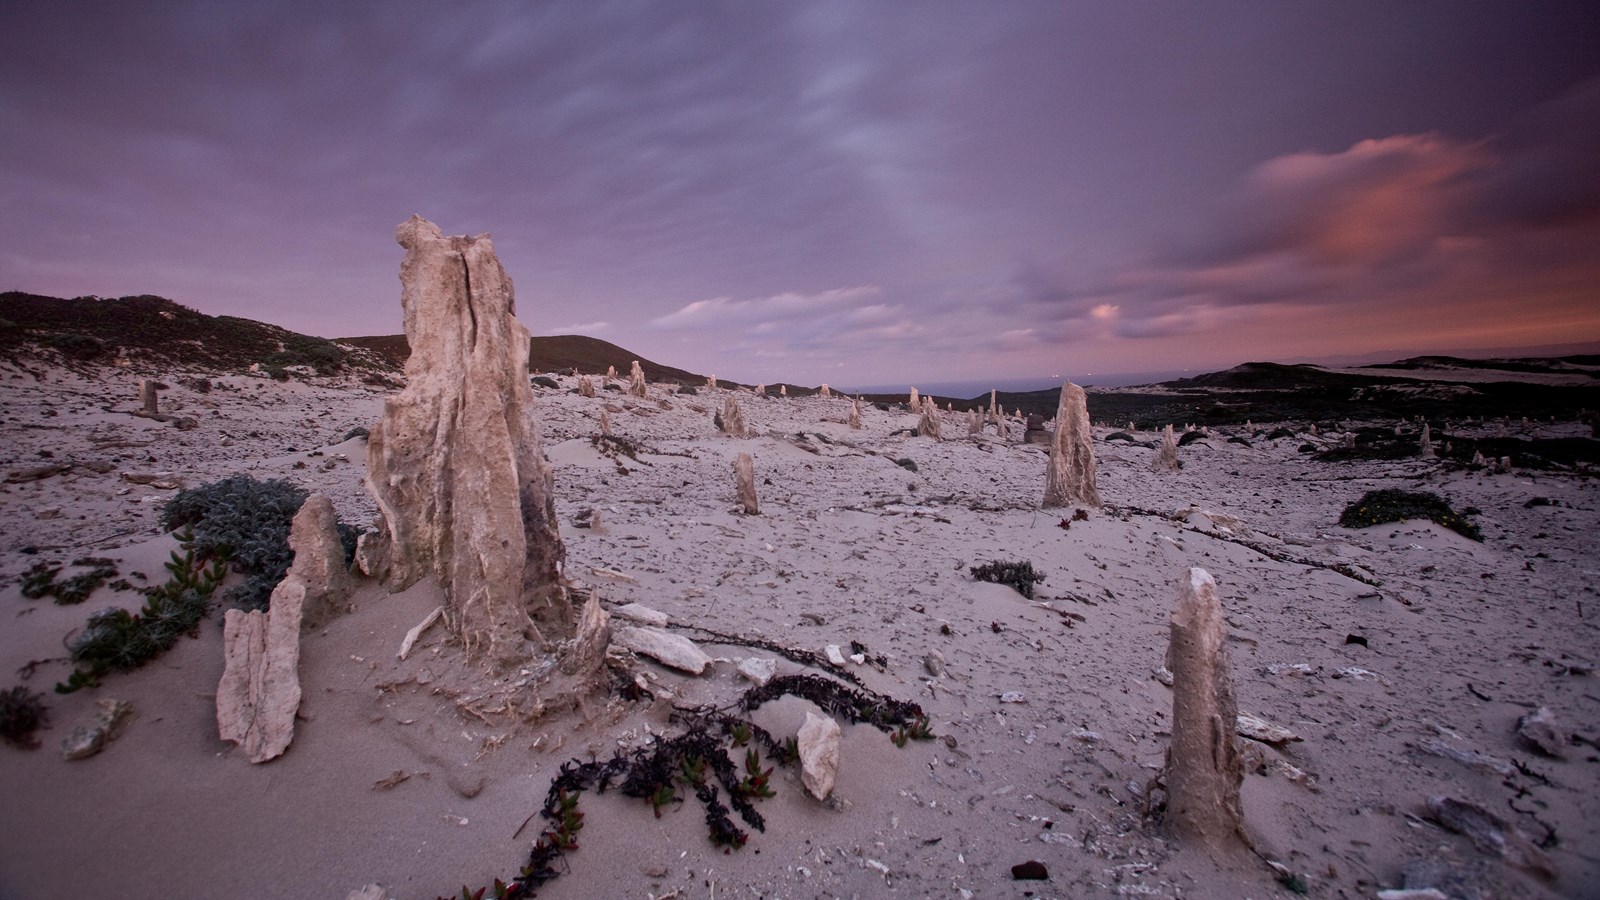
x,y
22,712
1019,575
244,522
117,640
40,580
1395,505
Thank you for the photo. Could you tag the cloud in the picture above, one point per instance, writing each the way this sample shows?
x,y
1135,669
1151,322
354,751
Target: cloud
x,y
722,312
1420,220
585,328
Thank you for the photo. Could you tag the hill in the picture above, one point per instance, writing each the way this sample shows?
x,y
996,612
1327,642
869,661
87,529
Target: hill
x,y
157,330
162,332
558,353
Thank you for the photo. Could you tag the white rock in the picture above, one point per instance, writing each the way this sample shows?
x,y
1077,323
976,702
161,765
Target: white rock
x,y
1540,730
319,561
88,739
1070,479
835,655
1013,697
455,466
671,650
260,687
1262,730
819,754
644,615
757,669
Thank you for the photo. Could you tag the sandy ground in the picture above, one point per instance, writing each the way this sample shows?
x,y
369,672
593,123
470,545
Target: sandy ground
x,y
1461,639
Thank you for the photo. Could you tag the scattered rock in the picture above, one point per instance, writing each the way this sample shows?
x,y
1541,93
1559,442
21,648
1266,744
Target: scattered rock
x,y
1433,875
758,669
86,740
1413,894
834,653
1013,697
416,631
369,892
933,664
819,754
1472,758
1539,730
641,614
149,478
35,473
1490,834
1262,730
671,650
1032,870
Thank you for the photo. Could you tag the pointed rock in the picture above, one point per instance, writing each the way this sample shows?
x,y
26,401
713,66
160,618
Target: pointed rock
x,y
148,403
1204,769
319,561
1167,459
819,754
733,423
744,483
464,493
1070,480
930,425
260,687
636,383
586,658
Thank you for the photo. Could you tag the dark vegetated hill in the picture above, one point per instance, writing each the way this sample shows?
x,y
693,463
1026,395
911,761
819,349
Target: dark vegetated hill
x,y
1528,451
558,353
1273,377
1268,392
96,329
1563,364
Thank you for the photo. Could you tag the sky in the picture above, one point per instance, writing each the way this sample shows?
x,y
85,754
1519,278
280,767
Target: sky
x,y
859,193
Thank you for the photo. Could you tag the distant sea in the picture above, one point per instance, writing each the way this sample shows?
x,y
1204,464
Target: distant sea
x,y
967,390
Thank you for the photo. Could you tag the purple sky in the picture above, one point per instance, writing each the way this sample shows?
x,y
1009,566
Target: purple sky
x,y
858,193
